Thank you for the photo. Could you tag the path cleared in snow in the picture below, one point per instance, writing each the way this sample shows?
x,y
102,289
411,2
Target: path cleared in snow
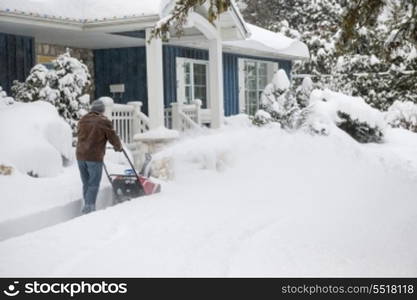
x,y
29,204
54,215
248,202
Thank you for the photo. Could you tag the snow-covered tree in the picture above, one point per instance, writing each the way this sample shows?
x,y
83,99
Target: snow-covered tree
x,y
36,86
278,103
372,63
302,92
64,86
399,15
315,22
328,110
359,130
71,78
402,114
178,16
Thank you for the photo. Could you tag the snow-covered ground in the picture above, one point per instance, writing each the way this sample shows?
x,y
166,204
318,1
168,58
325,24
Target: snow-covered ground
x,y
35,139
248,201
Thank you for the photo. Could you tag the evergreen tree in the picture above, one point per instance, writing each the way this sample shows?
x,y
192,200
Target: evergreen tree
x,y
399,15
373,66
372,63
278,103
63,87
178,16
71,79
314,22
402,114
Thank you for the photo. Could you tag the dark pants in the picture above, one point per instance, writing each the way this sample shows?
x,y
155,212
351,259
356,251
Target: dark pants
x,y
90,172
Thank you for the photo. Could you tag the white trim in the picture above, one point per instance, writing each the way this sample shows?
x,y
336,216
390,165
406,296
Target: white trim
x,y
272,67
180,61
107,26
267,54
203,25
216,79
154,67
241,78
238,18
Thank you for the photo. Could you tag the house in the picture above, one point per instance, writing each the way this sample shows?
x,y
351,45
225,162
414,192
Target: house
x,y
198,78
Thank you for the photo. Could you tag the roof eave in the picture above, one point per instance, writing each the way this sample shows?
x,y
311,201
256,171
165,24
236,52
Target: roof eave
x,y
238,18
108,25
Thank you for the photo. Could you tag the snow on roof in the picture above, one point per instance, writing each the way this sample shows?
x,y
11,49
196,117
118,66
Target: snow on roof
x,y
273,42
86,10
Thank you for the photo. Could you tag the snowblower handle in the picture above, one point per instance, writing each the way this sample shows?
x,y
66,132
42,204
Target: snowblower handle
x,y
130,162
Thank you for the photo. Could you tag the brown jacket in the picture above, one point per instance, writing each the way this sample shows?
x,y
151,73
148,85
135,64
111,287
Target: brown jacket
x,y
94,130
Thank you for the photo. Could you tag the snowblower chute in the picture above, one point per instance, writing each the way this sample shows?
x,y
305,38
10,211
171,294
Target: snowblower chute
x,y
131,184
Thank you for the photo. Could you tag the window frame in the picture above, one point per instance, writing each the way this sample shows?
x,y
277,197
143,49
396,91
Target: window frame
x,y
181,82
272,67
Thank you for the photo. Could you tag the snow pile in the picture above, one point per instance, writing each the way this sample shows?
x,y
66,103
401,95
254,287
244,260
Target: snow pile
x,y
330,110
280,80
157,134
332,102
4,100
87,10
402,114
246,202
34,138
273,42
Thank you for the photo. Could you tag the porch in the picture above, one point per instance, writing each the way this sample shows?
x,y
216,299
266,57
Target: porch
x,y
129,120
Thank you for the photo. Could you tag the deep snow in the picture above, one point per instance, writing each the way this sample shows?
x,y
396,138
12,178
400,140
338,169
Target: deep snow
x,y
248,202
34,138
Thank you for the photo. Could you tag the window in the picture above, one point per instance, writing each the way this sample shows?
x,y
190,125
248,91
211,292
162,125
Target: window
x,y
254,76
192,81
46,61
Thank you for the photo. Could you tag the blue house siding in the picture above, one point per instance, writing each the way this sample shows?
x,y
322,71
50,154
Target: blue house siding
x,y
231,84
128,66
231,78
122,65
230,73
17,57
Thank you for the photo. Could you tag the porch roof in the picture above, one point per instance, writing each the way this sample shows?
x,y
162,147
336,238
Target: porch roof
x,y
85,11
263,40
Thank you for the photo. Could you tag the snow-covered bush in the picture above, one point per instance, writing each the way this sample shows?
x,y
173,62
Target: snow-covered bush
x,y
34,139
302,92
6,170
402,114
350,114
278,103
4,100
64,87
360,131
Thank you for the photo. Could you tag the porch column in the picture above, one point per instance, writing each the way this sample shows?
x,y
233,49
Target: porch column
x,y
216,80
154,67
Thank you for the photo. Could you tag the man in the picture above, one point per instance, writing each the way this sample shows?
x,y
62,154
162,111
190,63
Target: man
x,y
94,130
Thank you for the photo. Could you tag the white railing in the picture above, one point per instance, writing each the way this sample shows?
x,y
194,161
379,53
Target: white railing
x,y
128,120
183,117
168,117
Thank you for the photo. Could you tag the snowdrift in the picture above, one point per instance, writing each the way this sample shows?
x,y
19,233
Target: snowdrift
x,y
34,138
248,201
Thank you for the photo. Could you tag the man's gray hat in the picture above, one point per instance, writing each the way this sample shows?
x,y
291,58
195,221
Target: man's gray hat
x,y
98,106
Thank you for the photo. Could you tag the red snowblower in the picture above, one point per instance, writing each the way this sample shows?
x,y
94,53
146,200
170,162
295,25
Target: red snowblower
x,y
132,184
